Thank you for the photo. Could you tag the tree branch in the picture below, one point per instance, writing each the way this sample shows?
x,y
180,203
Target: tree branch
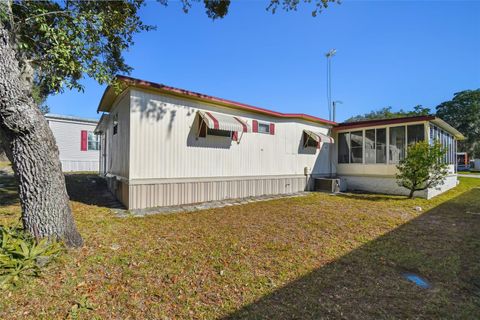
x,y
64,12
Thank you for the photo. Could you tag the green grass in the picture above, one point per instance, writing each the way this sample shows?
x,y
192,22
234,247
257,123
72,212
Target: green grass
x,y
4,164
312,257
469,172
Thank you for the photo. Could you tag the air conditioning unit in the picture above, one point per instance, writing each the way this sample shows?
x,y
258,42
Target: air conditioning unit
x,y
330,185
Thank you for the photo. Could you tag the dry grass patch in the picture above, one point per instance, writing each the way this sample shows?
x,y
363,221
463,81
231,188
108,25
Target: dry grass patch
x,y
307,257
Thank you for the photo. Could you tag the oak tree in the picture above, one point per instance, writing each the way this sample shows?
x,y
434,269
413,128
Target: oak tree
x,y
463,113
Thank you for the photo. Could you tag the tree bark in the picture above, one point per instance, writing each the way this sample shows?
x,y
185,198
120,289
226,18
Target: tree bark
x,y
30,146
412,191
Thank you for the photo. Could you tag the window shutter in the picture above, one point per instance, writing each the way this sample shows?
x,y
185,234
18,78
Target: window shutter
x,y
272,128
84,140
255,126
235,136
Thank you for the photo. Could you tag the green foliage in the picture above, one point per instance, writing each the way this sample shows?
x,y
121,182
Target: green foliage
x,y
80,307
289,5
22,256
387,113
40,100
65,40
463,113
423,167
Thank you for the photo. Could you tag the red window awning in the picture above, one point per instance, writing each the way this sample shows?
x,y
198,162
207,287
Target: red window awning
x,y
223,122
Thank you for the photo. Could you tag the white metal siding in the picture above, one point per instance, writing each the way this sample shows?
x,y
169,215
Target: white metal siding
x,y
164,145
117,146
68,137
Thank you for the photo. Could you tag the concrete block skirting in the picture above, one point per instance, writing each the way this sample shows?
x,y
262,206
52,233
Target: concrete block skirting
x,y
388,185
174,192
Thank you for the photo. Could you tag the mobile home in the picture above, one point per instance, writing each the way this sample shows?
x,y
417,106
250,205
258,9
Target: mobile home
x,y
76,141
164,146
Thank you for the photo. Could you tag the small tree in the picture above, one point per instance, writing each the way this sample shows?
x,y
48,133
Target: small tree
x,y
423,167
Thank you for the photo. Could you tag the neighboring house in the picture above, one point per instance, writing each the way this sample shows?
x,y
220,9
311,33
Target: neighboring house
x,y
463,163
368,151
476,165
76,141
163,146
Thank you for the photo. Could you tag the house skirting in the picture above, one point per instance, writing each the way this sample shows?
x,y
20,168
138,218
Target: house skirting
x,y
79,165
142,194
388,185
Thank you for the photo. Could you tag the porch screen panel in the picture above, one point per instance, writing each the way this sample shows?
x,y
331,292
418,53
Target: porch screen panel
x,y
344,147
451,142
370,146
432,134
381,145
415,133
397,144
356,145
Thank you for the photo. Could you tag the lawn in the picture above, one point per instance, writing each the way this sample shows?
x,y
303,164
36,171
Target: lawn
x,y
318,256
469,172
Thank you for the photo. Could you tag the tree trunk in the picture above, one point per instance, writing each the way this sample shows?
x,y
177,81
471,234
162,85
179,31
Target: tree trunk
x,y
410,196
30,146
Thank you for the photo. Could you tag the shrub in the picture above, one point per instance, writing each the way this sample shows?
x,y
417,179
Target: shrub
x,y
22,256
423,167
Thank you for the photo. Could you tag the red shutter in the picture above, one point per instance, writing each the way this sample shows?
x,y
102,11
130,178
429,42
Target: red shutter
x,y
235,136
84,140
272,128
255,126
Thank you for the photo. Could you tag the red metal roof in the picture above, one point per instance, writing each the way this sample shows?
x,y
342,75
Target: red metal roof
x,y
186,93
379,122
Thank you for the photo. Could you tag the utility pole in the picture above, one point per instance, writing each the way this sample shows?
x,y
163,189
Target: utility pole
x,y
329,56
334,109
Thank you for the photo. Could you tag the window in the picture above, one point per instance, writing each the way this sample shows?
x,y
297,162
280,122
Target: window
x,y
370,146
397,144
115,123
308,141
263,127
356,143
93,142
220,133
381,145
415,133
344,147
446,140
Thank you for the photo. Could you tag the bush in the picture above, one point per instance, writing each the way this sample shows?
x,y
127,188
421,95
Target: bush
x,y
423,167
22,256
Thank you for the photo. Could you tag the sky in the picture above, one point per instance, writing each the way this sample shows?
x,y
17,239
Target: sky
x,y
389,53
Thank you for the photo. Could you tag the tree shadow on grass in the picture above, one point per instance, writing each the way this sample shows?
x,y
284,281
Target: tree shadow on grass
x,y
8,190
90,189
86,188
442,246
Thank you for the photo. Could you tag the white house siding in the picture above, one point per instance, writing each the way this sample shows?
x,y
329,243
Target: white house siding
x,y
117,150
164,145
167,165
450,182
67,133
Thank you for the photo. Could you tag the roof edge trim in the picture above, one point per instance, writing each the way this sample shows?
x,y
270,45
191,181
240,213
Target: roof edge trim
x,y
109,97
